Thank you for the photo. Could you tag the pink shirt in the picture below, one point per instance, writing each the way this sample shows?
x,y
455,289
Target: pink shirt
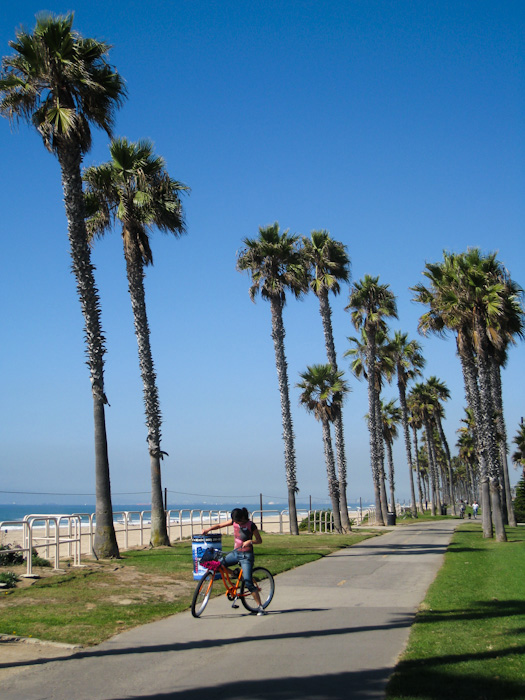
x,y
242,533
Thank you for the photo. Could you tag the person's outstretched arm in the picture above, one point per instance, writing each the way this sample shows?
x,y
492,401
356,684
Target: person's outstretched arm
x,y
217,526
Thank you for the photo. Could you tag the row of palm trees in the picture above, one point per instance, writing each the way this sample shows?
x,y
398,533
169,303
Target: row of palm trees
x,y
425,404
279,263
470,293
472,296
377,357
62,84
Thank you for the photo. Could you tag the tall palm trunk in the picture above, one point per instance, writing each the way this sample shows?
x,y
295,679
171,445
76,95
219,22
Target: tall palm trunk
x,y
372,423
498,462
470,378
333,485
444,442
488,437
431,467
288,436
437,471
502,430
418,470
105,542
135,274
342,471
326,317
471,483
381,455
391,475
406,433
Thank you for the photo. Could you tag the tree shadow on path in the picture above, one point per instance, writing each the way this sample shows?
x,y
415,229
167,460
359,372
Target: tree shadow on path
x,y
362,685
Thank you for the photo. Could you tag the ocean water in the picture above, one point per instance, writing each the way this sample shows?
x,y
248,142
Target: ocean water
x,y
17,511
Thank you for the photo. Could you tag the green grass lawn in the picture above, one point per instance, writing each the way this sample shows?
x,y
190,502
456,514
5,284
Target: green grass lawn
x,y
88,605
468,640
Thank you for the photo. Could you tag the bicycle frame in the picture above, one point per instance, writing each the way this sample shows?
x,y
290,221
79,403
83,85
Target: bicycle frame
x,y
232,588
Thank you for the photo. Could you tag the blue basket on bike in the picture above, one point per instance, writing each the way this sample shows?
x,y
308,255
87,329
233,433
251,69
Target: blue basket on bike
x,y
209,546
211,559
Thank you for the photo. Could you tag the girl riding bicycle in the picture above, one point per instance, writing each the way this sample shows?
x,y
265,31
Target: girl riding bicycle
x,y
245,534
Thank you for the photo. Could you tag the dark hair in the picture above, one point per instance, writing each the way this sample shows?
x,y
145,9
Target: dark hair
x,y
240,515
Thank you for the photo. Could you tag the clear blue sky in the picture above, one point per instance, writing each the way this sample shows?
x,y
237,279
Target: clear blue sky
x,y
397,126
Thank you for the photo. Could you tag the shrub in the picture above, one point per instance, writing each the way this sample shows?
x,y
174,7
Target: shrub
x,y
13,557
324,515
9,579
39,561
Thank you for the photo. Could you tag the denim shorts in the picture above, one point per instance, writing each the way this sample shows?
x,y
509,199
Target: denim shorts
x,y
245,559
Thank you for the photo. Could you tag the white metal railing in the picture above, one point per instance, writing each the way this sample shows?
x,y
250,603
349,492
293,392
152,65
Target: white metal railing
x,y
193,519
69,535
54,535
129,524
91,529
320,521
21,549
368,514
261,515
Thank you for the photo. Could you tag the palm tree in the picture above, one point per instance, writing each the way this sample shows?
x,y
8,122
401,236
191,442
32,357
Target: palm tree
x,y
484,291
62,84
384,369
462,484
391,416
135,188
519,440
323,391
329,265
467,453
511,326
409,362
467,294
275,264
415,422
422,404
370,303
423,471
498,359
441,393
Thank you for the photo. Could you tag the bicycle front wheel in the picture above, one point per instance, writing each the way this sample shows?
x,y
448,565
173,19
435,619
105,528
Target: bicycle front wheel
x,y
263,580
202,594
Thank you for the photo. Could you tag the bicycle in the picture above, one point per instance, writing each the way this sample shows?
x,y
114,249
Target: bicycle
x,y
235,590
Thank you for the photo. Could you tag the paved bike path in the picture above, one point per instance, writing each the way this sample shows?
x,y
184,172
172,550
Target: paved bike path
x,y
334,631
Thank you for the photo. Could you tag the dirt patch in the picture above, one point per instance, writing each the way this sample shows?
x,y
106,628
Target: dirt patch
x,y
144,585
39,572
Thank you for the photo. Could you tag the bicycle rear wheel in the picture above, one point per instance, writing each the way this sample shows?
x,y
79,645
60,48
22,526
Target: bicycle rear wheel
x,y
202,594
265,584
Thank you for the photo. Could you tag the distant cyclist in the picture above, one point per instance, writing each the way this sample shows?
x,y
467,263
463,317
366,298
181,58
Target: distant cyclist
x,y
245,534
